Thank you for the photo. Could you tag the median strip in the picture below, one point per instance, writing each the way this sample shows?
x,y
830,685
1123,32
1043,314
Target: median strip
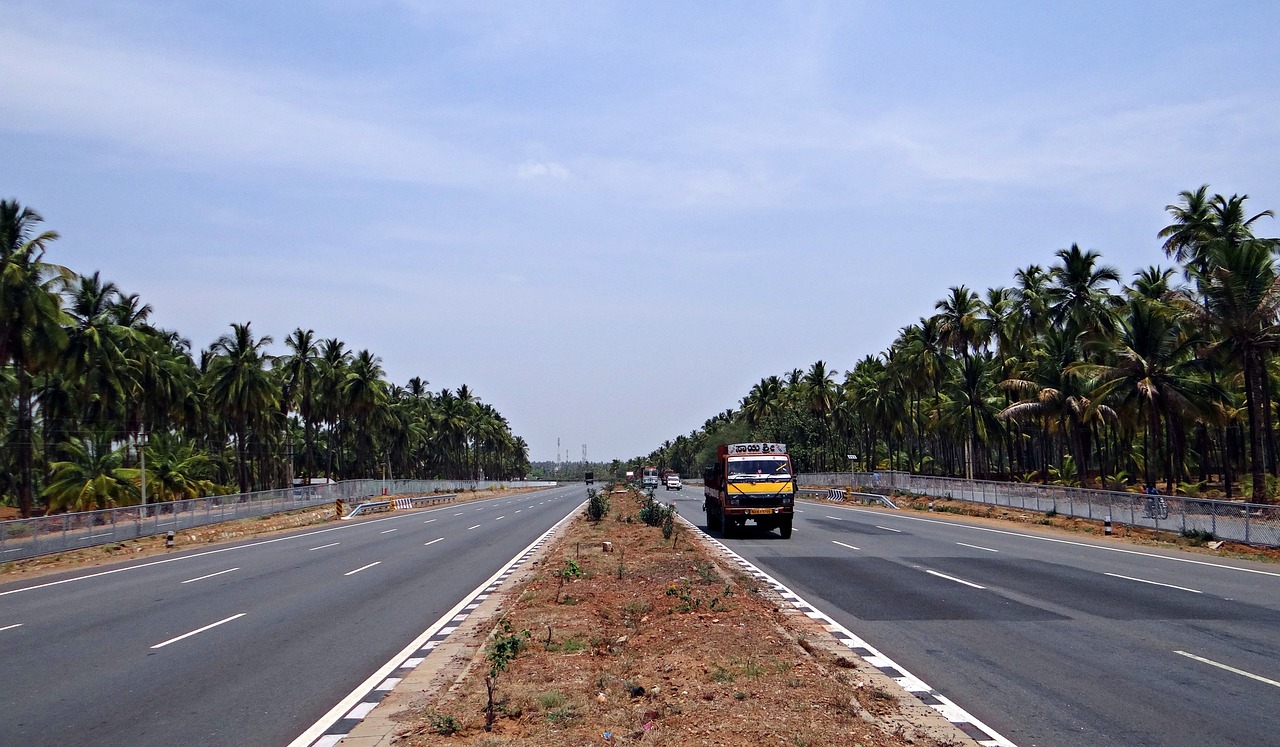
x,y
198,631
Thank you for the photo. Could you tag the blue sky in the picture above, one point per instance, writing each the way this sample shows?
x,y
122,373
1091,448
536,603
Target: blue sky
x,y
611,219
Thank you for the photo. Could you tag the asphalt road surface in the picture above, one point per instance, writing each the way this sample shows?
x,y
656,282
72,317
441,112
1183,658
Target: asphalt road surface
x,y
1051,639
247,644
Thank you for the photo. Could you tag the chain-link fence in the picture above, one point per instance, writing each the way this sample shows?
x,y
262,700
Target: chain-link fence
x,y
25,538
1252,523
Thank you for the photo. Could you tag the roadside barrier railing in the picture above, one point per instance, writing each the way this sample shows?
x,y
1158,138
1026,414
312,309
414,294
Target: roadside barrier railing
x,y
1250,523
27,538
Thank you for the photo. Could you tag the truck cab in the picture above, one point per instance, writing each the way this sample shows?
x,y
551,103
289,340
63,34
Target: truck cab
x,y
750,482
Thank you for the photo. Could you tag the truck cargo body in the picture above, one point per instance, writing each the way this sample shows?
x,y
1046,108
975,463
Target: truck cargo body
x,y
750,482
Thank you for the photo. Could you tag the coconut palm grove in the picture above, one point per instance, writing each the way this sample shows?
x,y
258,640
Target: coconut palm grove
x,y
88,381
1071,375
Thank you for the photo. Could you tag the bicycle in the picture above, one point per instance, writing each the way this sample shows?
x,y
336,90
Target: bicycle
x,y
1156,507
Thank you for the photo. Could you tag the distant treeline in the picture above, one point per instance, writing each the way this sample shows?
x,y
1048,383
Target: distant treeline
x,y
1069,375
87,379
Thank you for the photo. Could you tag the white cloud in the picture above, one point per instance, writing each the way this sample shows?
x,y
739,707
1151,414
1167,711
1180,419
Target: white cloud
x,y
542,170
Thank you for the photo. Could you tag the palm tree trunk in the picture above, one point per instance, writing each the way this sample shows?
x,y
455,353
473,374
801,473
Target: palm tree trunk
x,y
23,436
1257,458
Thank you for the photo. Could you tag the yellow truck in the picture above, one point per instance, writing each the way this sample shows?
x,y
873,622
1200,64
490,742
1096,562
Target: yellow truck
x,y
750,482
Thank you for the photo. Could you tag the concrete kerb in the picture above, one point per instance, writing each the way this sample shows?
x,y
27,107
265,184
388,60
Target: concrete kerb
x,y
451,658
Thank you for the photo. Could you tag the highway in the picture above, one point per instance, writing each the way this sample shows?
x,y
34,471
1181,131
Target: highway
x,y
1051,639
248,643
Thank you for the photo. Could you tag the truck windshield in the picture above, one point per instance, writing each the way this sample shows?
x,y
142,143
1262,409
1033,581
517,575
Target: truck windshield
x,y
759,467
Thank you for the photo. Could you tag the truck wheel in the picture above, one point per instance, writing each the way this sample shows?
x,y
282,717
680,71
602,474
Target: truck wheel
x,y
727,526
784,528
712,519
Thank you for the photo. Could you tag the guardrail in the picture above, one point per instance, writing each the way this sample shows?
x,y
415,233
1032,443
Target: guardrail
x,y
839,495
1250,523
27,538
417,501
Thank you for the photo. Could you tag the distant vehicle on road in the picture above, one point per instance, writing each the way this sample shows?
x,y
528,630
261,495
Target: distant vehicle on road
x,y
649,478
591,478
673,482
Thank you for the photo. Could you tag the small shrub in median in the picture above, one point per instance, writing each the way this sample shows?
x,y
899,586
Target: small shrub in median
x,y
503,649
597,505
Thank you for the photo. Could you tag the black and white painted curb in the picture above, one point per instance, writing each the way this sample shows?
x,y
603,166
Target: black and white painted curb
x,y
343,718
975,729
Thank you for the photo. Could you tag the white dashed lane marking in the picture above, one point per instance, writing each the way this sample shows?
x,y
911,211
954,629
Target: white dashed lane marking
x,y
363,567
387,531
432,542
11,627
1231,669
477,526
321,547
197,631
1153,583
428,521
889,529
851,547
211,575
976,547
953,578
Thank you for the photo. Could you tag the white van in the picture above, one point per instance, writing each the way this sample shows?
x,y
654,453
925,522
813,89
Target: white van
x,y
673,482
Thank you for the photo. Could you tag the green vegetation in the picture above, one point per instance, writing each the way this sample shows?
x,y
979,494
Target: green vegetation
x,y
1067,376
85,373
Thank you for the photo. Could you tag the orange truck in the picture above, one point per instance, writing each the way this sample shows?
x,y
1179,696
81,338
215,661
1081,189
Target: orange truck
x,y
750,482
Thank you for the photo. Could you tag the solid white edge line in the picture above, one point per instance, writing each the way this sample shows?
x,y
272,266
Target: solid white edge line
x,y
1220,665
317,730
199,630
211,575
1153,583
1069,542
976,547
432,542
11,627
953,578
851,547
363,567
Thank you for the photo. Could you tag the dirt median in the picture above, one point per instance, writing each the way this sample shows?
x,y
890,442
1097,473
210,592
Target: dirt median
x,y
627,637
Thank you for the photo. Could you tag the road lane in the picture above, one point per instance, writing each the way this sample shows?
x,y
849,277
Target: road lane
x,y
1052,651
83,670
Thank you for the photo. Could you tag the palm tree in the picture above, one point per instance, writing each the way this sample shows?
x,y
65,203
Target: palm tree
x,y
90,478
363,394
1079,299
1241,301
300,371
1154,369
241,388
31,325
